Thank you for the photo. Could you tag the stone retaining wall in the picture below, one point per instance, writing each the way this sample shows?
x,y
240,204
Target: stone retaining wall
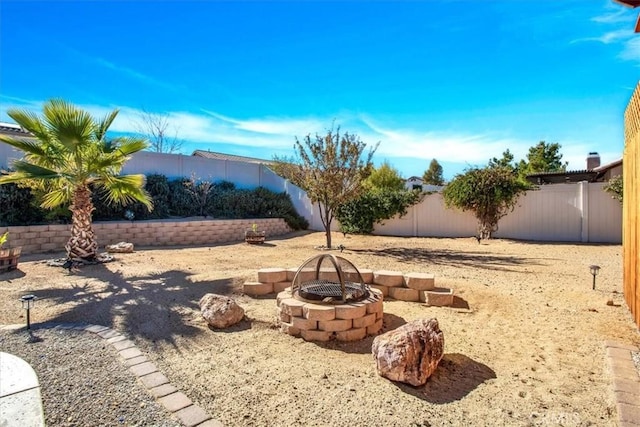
x,y
52,238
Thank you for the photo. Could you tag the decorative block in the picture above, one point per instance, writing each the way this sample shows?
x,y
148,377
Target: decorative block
x,y
281,286
352,334
375,327
272,275
257,288
404,294
420,281
292,307
318,312
335,325
439,297
388,278
288,328
350,311
304,324
365,321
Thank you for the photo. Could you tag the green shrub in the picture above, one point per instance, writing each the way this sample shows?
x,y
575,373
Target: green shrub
x,y
19,206
182,197
179,198
359,216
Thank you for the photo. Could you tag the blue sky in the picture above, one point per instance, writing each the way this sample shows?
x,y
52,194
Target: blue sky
x,y
459,81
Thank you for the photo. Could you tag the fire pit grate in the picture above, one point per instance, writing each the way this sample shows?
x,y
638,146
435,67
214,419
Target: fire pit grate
x,y
326,291
328,278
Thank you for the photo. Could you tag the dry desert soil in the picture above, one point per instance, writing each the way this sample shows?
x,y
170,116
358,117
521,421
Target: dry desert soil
x,y
523,341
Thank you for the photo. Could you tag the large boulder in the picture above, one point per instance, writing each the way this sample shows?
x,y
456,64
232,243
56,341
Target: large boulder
x,y
410,353
220,311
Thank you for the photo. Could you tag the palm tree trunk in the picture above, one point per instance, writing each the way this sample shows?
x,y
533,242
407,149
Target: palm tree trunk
x,y
82,243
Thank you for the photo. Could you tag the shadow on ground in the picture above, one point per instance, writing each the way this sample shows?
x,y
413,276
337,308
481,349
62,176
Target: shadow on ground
x,y
156,307
456,376
449,258
460,303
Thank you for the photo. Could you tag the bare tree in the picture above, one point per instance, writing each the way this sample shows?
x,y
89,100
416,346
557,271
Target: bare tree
x,y
157,128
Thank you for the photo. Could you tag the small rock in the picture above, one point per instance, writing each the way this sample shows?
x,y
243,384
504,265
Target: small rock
x,y
122,247
610,302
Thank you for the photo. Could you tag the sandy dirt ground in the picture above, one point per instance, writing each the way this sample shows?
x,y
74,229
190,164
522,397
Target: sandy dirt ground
x,y
523,342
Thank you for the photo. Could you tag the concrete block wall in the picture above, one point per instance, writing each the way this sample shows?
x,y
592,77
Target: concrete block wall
x,y
52,238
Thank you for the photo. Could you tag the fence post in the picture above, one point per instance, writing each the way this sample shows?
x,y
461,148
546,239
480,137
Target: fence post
x,y
583,188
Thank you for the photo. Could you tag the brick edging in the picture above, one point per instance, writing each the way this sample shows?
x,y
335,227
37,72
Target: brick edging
x,y
156,383
625,382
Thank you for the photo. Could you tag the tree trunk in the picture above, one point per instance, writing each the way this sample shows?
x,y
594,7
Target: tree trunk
x,y
82,243
328,234
326,221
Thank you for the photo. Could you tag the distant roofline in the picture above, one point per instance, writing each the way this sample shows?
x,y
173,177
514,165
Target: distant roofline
x,y
13,129
608,165
232,157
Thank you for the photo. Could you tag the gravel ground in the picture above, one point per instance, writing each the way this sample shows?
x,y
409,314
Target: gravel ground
x,y
523,341
83,382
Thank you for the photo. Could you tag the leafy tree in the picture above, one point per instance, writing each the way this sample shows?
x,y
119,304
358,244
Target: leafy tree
x,y
490,193
542,157
505,161
331,169
288,167
386,177
615,187
163,138
71,157
433,175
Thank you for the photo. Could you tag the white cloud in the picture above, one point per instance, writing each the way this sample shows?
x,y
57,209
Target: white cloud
x,y
608,37
614,17
277,134
631,50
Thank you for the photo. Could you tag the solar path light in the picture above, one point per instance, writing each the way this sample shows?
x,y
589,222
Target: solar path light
x,y
28,301
595,269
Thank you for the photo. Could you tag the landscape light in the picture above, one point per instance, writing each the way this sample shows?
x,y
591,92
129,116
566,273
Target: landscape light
x,y
595,269
28,301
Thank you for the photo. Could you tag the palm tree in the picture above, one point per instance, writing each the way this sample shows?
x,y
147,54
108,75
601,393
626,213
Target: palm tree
x,y
69,158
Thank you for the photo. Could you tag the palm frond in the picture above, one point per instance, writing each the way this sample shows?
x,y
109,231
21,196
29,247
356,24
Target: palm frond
x,y
103,125
55,197
31,171
31,122
125,189
73,127
26,145
128,145
13,177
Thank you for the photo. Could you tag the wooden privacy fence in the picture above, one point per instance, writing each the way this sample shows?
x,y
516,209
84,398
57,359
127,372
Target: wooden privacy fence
x,y
631,204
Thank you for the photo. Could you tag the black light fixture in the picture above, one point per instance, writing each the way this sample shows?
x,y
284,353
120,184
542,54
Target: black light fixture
x,y
595,269
28,301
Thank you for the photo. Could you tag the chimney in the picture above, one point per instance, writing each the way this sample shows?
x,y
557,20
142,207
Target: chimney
x,y
593,160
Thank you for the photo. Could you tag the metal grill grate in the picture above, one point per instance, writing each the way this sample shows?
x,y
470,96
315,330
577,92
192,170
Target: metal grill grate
x,y
327,291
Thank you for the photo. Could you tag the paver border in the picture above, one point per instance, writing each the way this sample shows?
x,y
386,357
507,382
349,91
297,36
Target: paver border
x,y
135,361
625,383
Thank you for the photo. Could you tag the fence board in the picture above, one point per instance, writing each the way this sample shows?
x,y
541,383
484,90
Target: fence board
x,y
631,204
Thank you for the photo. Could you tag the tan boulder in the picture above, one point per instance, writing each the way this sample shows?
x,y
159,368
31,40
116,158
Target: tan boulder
x,y
410,353
220,311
